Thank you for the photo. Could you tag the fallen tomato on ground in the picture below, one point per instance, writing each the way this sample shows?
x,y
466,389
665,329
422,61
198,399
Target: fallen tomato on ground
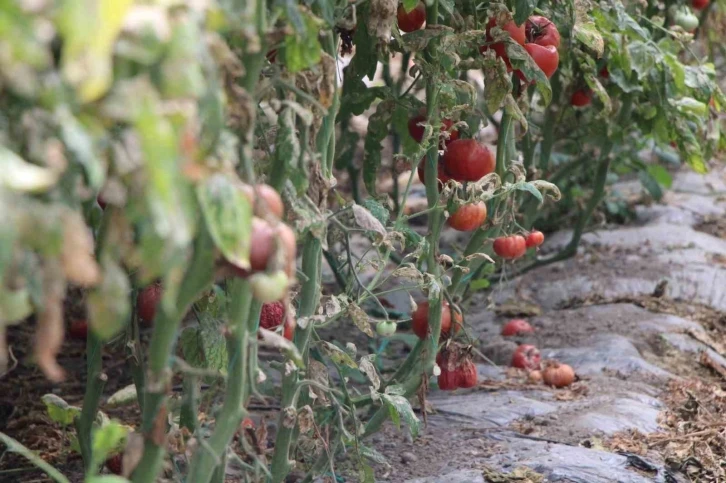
x,y
526,356
517,327
558,375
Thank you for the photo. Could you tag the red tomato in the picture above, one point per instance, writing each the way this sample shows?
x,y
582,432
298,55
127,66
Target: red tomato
x,y
420,320
413,20
541,31
263,244
272,315
467,160
467,374
546,59
448,380
558,375
147,301
78,329
700,4
517,327
516,33
417,132
247,423
526,357
115,464
443,177
605,73
674,145
468,217
288,331
534,239
581,98
510,247
268,201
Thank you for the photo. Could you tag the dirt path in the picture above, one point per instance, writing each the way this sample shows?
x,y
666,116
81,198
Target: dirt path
x,y
650,404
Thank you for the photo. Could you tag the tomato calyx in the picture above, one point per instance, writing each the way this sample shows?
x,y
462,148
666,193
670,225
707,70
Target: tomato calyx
x,y
542,31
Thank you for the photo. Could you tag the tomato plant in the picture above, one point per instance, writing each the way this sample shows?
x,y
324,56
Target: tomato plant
x,y
234,154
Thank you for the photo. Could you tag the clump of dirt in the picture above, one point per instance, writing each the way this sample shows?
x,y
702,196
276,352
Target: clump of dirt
x,y
713,225
693,439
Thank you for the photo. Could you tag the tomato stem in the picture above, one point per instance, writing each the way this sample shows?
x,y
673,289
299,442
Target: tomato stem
x,y
242,311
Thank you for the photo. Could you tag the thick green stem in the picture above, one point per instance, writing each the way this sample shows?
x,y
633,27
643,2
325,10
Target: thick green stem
x,y
505,132
96,381
190,403
211,454
309,299
198,278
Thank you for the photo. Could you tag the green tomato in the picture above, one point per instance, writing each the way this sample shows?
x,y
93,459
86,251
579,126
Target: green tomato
x,y
386,328
687,20
269,287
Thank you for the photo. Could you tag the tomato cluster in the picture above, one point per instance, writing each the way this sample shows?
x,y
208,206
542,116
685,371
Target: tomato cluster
x,y
457,369
542,42
515,246
272,246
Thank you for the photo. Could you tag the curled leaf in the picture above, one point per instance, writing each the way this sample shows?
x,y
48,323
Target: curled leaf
x,y
360,319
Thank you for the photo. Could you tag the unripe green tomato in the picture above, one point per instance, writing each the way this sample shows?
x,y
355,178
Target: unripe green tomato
x,y
269,287
386,328
687,20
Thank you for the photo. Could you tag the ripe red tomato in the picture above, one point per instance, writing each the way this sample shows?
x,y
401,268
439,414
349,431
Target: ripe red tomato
x,y
541,31
147,301
534,239
516,33
517,327
467,160
700,4
264,241
115,464
546,59
510,247
417,132
526,357
247,423
581,98
413,20
605,73
288,331
443,177
448,380
467,374
420,320
272,315
78,329
468,217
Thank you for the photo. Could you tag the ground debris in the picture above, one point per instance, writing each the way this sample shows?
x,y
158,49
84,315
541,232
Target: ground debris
x,y
519,475
693,438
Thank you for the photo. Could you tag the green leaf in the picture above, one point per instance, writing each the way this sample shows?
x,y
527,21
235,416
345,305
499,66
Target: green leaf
x,y
480,284
204,346
302,48
181,72
80,144
498,82
589,35
60,411
524,186
689,105
376,209
15,447
400,408
15,305
650,184
19,175
365,60
357,97
108,439
228,215
409,5
372,455
287,149
377,132
123,397
521,60
89,29
108,304
338,356
594,84
523,9
644,56
661,175
106,479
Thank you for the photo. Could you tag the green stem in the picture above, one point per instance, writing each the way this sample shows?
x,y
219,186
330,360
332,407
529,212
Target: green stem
x,y
198,278
190,403
211,454
309,299
505,132
96,381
